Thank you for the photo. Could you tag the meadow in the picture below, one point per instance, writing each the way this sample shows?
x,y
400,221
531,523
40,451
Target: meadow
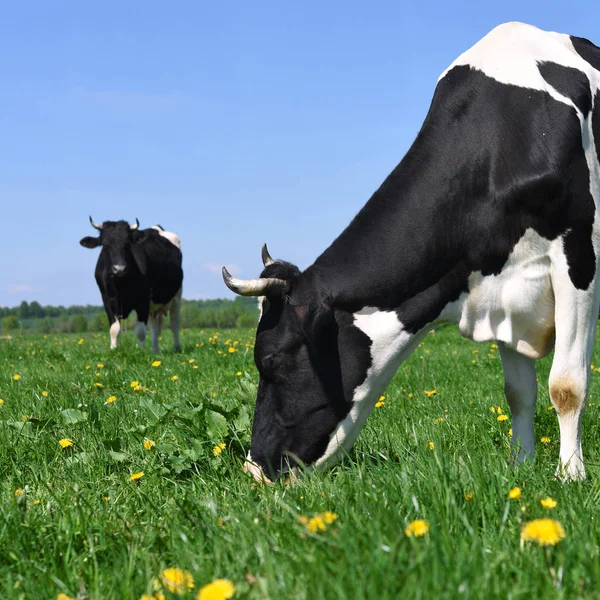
x,y
118,466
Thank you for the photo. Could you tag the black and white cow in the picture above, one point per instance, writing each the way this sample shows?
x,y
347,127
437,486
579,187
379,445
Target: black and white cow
x,y
490,221
138,270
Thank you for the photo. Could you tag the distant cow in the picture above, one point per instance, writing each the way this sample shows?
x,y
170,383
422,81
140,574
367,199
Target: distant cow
x,y
491,221
138,270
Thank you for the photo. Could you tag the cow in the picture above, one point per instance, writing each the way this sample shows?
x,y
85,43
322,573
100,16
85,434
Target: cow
x,y
138,269
490,221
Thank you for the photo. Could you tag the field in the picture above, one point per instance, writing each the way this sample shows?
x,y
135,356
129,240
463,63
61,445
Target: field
x,y
73,521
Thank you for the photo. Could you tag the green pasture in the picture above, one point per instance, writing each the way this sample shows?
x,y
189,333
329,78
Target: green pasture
x,y
73,522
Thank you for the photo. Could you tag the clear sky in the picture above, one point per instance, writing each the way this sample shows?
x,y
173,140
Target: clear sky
x,y
230,123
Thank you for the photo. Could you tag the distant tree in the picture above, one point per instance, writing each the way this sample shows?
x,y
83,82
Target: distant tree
x,y
9,323
78,324
99,323
24,312
246,320
36,311
43,325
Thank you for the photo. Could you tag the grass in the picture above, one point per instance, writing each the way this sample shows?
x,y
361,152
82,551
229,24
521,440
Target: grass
x,y
82,528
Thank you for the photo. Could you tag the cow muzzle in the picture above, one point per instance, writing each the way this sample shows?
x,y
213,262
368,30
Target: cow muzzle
x,y
118,270
288,478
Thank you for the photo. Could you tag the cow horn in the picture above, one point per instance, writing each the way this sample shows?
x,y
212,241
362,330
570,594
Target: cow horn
x,y
262,286
266,257
136,226
95,225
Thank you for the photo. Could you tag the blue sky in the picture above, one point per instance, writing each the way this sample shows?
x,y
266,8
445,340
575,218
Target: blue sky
x,y
230,123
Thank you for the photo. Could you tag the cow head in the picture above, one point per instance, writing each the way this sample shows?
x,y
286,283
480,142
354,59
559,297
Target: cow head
x,y
116,239
305,385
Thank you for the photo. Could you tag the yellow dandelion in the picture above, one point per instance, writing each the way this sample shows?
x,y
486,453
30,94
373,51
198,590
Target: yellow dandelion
x,y
379,403
155,596
220,589
410,396
1,401
510,432
36,502
469,496
239,374
156,363
430,393
545,440
98,384
106,498
231,350
177,581
545,532
195,367
137,388
111,399
149,444
80,341
192,361
515,493
329,517
16,377
548,503
502,418
314,524
134,384
136,476
417,528
45,394
100,366
174,378
219,448
550,407
88,367
19,492
62,596
65,443
431,445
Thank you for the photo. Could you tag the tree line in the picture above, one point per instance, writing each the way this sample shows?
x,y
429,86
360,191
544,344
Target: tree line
x,y
34,318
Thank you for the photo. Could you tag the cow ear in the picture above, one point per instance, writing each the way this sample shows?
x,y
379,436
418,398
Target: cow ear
x,y
90,242
316,322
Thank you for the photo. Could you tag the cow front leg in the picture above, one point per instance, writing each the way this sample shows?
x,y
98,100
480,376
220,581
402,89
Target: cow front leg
x,y
140,333
115,330
174,315
520,389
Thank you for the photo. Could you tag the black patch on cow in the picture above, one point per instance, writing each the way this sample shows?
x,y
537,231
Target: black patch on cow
x,y
588,51
570,82
491,160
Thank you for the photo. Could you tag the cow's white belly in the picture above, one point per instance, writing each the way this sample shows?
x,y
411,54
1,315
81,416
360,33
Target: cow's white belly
x,y
517,305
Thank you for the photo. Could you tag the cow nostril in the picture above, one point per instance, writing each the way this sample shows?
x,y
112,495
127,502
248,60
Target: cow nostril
x,y
118,269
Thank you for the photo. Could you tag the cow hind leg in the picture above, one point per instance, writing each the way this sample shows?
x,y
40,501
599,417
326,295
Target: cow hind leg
x,y
520,388
140,333
155,323
576,312
174,313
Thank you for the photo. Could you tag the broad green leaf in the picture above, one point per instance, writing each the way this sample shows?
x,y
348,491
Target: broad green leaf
x,y
216,425
71,416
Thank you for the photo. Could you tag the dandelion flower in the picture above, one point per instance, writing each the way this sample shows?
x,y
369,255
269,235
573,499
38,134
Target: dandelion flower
x,y
379,403
111,399
45,394
314,524
469,496
62,596
16,377
231,350
156,363
548,503
80,341
1,401
510,432
155,596
220,589
545,532
431,445
239,374
502,417
545,440
65,443
174,378
417,528
149,444
430,393
100,366
219,448
515,493
19,492
98,384
177,581
136,476
134,384
329,517
137,388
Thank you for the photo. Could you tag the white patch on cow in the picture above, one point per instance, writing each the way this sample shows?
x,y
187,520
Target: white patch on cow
x,y
140,333
390,345
169,235
522,46
255,470
115,329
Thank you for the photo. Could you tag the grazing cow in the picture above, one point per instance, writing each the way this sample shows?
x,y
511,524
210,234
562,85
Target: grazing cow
x,y
138,270
490,221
